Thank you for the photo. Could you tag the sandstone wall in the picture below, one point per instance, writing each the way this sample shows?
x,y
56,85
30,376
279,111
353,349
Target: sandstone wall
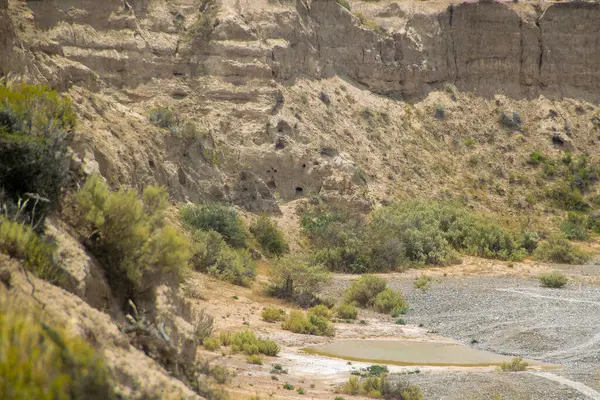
x,y
484,47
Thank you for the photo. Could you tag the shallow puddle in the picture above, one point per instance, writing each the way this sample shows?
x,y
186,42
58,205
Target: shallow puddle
x,y
405,352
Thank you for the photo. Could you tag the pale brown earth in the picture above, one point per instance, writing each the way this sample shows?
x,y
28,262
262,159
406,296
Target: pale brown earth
x,y
266,141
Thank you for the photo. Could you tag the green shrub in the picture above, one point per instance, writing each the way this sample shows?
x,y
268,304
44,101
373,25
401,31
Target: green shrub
x,y
575,226
410,392
310,324
218,218
278,369
220,374
203,325
206,21
208,390
272,314
207,246
352,386
510,120
269,237
163,117
364,289
338,237
129,235
401,235
400,390
288,386
35,126
583,174
536,158
226,338
559,250
300,391
554,279
377,370
400,321
390,301
211,255
529,241
211,344
38,361
21,242
321,311
515,365
247,342
268,347
234,266
422,282
254,359
431,232
297,280
346,311
344,3
371,386
567,198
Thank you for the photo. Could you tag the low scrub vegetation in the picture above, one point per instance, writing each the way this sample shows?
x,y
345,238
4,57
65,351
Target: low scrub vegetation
x,y
297,280
42,362
164,117
557,249
129,234
203,324
216,217
380,387
19,241
211,344
372,292
308,324
226,338
269,237
346,311
205,22
36,124
254,359
574,178
575,227
422,282
553,279
344,3
248,343
272,314
403,235
321,311
515,365
212,255
389,302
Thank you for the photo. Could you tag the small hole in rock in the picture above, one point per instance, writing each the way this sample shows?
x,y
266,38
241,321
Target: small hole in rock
x,y
151,163
280,144
299,191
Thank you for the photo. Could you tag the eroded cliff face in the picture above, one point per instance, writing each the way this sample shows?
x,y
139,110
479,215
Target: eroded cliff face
x,y
486,47
265,89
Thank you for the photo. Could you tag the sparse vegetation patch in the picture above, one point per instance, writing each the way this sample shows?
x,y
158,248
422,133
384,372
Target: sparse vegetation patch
x,y
553,279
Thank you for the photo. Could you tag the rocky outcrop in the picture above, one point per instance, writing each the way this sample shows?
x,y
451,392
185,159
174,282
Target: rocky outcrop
x,y
117,59
484,47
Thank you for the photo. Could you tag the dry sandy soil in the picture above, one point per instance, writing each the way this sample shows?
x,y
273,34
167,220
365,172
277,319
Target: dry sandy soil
x,y
492,306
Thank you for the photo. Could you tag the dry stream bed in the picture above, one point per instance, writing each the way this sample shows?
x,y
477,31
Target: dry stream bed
x,y
457,331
